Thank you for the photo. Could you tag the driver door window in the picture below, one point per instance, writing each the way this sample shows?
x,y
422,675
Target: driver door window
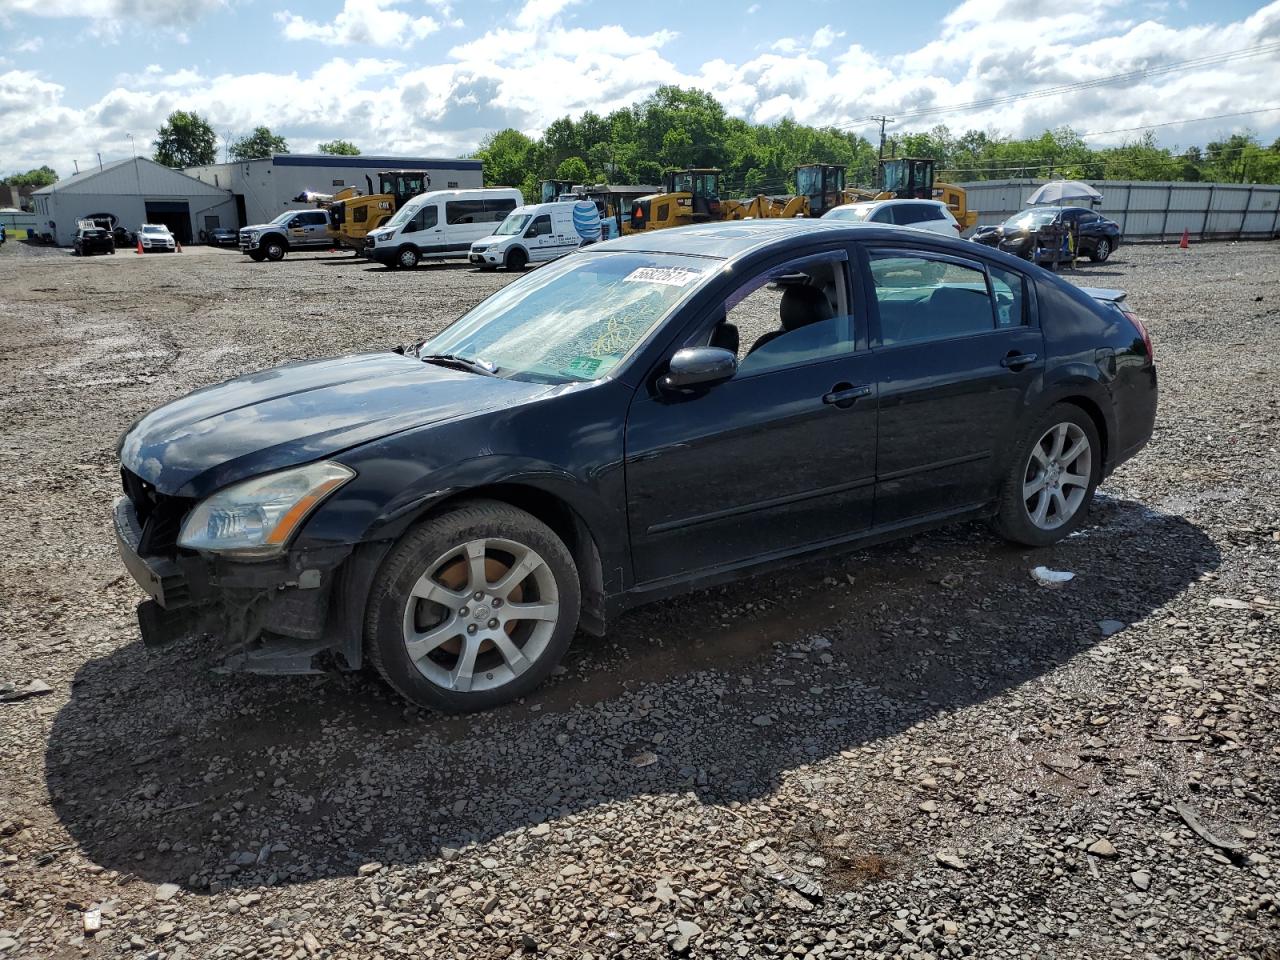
x,y
797,312
425,219
541,227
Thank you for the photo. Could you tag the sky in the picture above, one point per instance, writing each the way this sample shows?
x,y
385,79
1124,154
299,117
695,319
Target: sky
x,y
78,78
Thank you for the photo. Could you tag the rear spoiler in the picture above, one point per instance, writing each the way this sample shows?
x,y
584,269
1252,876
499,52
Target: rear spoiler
x,y
1104,294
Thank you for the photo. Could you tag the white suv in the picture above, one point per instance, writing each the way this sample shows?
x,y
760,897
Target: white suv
x,y
931,215
156,236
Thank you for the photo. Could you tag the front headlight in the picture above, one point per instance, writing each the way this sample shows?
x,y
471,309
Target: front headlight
x,y
256,518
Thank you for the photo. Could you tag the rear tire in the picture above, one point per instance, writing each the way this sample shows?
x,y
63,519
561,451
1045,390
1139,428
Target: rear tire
x,y
516,260
429,618
1049,485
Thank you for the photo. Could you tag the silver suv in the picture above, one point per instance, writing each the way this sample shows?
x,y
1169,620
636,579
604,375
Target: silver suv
x,y
292,230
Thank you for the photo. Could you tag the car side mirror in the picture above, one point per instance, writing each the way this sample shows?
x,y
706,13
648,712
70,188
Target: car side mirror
x,y
699,367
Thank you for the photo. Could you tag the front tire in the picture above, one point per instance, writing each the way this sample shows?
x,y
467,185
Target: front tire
x,y
407,258
257,256
1050,483
1101,250
273,250
516,260
472,608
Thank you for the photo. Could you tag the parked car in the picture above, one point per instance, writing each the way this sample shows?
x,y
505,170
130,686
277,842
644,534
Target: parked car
x,y
220,237
291,230
931,215
653,414
91,240
538,233
156,236
1099,237
440,224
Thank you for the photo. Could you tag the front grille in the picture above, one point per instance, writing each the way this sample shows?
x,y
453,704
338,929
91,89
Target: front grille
x,y
159,515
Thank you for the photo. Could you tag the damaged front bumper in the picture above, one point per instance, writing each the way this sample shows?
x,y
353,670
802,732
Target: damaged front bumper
x,y
270,616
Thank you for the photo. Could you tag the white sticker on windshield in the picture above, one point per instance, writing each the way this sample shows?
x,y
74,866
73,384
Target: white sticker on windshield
x,y
672,276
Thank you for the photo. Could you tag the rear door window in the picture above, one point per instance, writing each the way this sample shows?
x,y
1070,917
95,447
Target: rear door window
x,y
922,297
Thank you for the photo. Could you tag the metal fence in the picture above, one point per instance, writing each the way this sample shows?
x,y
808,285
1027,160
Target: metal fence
x,y
1154,211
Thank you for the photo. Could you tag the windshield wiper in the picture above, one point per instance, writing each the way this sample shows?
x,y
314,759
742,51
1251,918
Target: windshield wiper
x,y
484,367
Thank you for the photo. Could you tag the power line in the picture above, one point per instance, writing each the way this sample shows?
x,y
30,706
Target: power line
x,y
1173,123
1129,76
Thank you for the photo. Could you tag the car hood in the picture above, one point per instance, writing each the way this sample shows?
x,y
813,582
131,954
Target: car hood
x,y
298,413
260,226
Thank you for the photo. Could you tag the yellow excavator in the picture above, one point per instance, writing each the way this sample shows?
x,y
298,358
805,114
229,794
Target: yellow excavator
x,y
901,178
352,217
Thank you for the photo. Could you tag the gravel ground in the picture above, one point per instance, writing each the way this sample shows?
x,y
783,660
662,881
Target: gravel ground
x,y
916,751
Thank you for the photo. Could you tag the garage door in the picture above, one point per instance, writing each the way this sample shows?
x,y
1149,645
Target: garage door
x,y
174,214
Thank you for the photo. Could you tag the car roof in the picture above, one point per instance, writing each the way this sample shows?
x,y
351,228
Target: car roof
x,y
735,238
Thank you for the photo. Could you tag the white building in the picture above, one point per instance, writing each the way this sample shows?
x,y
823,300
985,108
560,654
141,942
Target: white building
x,y
267,187
133,192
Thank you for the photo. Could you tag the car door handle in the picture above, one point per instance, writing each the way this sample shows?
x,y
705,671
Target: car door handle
x,y
844,394
1015,361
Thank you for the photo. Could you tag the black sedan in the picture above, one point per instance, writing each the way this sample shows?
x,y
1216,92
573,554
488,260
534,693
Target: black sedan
x,y
91,240
650,415
1098,236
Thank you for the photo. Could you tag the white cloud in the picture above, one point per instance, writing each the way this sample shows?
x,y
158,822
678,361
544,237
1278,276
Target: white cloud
x,y
378,23
542,63
30,46
165,13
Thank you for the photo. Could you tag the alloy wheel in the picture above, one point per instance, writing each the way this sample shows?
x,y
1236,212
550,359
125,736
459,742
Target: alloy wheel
x,y
1057,476
481,615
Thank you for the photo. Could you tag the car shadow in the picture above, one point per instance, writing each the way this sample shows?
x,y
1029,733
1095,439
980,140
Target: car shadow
x,y
164,770
433,265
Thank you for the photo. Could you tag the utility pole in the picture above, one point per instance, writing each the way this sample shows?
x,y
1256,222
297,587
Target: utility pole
x,y
882,121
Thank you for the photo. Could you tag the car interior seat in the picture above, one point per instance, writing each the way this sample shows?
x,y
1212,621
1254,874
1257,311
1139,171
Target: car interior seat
x,y
800,307
954,312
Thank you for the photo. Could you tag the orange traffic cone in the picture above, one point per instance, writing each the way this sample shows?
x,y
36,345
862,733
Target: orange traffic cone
x,y
1185,242
139,245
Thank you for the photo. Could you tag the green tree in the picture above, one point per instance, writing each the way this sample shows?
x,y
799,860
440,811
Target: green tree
x,y
339,148
261,143
510,159
186,140
573,169
36,177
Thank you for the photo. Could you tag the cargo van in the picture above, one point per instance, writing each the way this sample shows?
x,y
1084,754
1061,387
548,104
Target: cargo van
x,y
439,225
538,233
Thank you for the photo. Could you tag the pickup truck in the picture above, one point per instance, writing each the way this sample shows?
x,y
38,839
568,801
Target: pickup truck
x,y
292,230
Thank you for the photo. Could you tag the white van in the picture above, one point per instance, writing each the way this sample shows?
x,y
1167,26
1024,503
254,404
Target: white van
x,y
538,233
439,225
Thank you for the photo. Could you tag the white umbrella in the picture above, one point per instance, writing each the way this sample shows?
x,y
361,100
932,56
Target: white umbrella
x,y
1061,191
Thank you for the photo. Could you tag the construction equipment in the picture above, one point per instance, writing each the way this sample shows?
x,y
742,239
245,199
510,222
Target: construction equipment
x,y
900,178
688,196
352,217
911,178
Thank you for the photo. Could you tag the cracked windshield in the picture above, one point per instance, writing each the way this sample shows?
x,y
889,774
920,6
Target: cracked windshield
x,y
575,320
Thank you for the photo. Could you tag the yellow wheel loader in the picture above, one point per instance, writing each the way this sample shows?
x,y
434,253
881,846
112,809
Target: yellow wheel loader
x,y
688,196
351,219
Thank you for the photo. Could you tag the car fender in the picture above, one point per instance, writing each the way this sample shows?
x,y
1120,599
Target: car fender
x,y
1072,380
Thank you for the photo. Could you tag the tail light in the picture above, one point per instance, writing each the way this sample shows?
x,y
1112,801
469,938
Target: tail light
x,y
1142,331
